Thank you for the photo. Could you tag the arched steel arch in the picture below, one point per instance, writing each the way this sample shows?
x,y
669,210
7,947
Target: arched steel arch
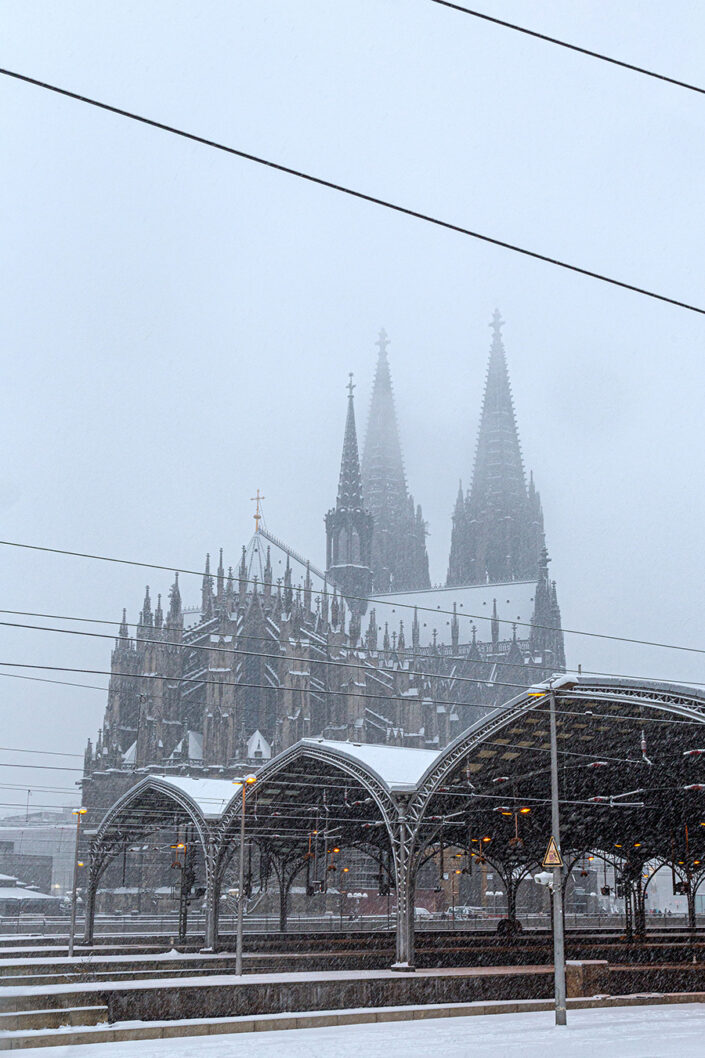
x,y
346,763
386,802
685,703
103,849
669,698
153,782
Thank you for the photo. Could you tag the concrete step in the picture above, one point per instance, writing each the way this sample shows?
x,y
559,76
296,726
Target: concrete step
x,y
113,975
31,1003
28,1020
256,1023
308,1020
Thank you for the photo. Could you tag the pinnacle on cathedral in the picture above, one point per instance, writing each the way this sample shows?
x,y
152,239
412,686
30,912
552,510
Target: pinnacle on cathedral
x,y
399,560
349,524
498,527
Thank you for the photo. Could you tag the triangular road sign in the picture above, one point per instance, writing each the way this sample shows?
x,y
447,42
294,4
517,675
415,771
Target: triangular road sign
x,y
553,856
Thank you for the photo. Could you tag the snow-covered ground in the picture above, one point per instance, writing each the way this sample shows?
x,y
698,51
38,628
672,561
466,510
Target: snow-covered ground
x,y
623,1032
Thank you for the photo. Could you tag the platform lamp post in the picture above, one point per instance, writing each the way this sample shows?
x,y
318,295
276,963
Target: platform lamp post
x,y
244,783
557,884
558,934
78,812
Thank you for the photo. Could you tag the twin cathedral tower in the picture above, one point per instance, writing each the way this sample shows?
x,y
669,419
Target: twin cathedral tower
x,y
376,535
273,649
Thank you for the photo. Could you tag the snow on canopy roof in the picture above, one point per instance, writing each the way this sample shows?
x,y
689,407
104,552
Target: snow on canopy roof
x,y
397,766
515,602
211,795
17,892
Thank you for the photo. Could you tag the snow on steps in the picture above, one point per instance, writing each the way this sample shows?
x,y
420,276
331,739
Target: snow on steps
x,y
142,1030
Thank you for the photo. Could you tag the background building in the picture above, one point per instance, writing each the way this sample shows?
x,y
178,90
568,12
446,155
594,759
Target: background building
x,y
276,649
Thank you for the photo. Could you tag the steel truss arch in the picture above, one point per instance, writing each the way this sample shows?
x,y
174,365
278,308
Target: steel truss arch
x,y
367,777
667,698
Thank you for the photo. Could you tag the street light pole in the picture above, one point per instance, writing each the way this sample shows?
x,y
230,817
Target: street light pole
x,y
78,812
558,937
247,781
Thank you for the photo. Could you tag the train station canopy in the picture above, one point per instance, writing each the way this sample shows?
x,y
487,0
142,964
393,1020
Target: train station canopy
x,y
631,782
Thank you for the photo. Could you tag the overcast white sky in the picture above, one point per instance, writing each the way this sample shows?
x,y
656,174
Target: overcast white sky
x,y
178,325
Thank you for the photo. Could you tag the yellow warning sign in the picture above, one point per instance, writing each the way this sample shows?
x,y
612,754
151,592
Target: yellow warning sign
x,y
553,856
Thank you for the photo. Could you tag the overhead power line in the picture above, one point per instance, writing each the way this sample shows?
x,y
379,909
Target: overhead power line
x,y
405,698
370,600
350,664
352,192
61,683
39,752
349,661
571,47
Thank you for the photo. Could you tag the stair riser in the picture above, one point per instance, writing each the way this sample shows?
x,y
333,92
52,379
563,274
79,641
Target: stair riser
x,y
53,1019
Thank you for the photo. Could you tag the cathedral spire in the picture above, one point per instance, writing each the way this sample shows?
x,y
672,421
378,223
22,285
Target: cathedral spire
x,y
350,481
382,463
458,544
498,528
221,577
242,576
498,474
288,590
349,525
415,630
207,589
147,618
371,636
175,615
268,573
308,586
398,543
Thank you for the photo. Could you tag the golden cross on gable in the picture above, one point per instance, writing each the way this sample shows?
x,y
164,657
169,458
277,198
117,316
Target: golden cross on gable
x,y
258,512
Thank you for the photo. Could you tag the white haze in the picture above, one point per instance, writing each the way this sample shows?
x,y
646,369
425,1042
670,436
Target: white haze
x,y
178,325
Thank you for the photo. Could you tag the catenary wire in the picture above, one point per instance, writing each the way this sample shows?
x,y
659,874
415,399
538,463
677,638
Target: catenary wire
x,y
41,752
644,719
60,683
351,192
348,665
407,653
571,47
368,599
422,698
300,781
239,652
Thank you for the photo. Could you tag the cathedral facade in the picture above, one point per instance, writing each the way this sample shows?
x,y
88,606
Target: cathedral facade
x,y
275,649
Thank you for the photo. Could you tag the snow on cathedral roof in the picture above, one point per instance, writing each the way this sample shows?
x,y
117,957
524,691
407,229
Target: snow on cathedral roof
x,y
279,554
474,603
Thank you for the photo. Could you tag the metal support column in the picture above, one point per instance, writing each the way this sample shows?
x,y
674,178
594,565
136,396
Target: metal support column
x,y
405,897
212,900
558,933
89,921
